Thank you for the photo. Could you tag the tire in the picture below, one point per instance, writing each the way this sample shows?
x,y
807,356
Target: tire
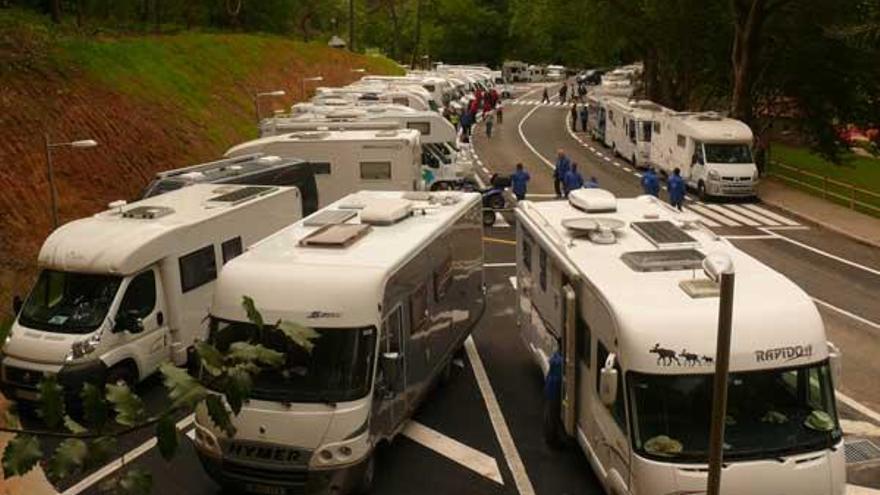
x,y
122,372
552,426
635,162
496,202
364,485
614,149
701,191
488,218
441,186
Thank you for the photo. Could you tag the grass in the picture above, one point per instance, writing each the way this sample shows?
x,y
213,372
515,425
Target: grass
x,y
859,171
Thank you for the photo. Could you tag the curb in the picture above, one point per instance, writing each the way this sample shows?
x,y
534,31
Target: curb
x,y
823,224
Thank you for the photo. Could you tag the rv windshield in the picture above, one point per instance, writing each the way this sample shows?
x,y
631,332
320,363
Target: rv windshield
x,y
338,369
728,153
770,414
67,302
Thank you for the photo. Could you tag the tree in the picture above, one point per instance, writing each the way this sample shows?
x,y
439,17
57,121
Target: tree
x,y
88,442
55,11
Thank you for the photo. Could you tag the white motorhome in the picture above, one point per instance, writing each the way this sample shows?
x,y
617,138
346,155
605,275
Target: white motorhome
x,y
555,73
713,152
617,289
514,71
345,161
127,289
393,287
375,94
442,161
628,129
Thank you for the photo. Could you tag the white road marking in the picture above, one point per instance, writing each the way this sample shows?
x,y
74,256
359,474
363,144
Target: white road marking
x,y
526,142
732,214
858,406
513,282
770,214
617,165
498,265
508,447
191,434
599,154
608,159
126,458
753,215
625,169
823,253
859,428
454,450
748,237
700,209
540,195
485,170
860,490
708,222
846,313
500,222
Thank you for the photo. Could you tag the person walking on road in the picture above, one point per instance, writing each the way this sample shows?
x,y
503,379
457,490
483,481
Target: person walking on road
x,y
592,183
573,179
489,118
519,182
467,120
546,97
500,111
651,183
676,187
574,117
584,115
563,164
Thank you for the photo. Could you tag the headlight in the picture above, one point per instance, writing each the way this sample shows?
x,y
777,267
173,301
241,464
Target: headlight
x,y
83,348
714,175
340,453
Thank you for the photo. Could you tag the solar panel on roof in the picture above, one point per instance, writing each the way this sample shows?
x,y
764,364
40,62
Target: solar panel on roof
x,y
336,235
663,233
242,194
328,217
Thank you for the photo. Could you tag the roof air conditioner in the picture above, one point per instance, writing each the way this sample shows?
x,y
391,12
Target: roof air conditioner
x,y
385,211
593,200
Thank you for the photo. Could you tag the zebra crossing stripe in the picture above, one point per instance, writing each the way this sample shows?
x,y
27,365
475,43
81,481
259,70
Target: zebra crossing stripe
x,y
701,209
775,216
500,222
708,222
734,215
753,215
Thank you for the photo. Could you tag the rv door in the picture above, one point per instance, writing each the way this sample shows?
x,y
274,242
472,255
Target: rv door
x,y
391,373
141,325
569,370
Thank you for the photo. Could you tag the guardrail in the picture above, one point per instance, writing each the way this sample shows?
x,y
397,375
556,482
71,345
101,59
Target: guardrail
x,y
841,192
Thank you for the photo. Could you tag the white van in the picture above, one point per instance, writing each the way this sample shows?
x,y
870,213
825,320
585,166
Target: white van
x,y
393,287
442,161
555,73
617,289
629,127
412,97
127,289
713,152
348,161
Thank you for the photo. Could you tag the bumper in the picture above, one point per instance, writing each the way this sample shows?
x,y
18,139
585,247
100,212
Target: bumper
x,y
238,477
731,189
19,379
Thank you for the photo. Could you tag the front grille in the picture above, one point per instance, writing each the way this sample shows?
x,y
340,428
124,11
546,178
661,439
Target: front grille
x,y
246,473
22,377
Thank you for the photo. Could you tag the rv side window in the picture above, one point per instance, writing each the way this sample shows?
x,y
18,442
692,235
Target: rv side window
x,y
585,345
682,141
656,127
424,128
400,101
375,170
442,279
140,297
393,329
618,410
527,252
321,168
418,309
197,268
542,275
231,249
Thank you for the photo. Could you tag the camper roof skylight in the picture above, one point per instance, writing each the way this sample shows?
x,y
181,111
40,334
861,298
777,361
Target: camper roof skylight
x,y
328,217
242,194
663,233
336,235
661,261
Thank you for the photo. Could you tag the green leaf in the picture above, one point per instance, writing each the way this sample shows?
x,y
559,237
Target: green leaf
x,y
94,406
51,402
20,455
135,481
238,387
5,330
183,389
128,406
166,435
301,335
73,426
219,415
68,458
100,451
210,357
254,353
253,314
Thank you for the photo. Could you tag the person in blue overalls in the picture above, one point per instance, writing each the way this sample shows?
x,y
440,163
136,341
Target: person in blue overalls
x,y
573,179
559,171
592,183
651,183
519,182
553,401
677,188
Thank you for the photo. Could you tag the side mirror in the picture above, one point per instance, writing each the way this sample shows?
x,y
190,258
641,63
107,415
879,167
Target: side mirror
x,y
17,304
128,323
391,364
694,160
835,359
608,382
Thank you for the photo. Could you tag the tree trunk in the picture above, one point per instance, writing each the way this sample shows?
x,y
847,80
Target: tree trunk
x,y
55,11
415,52
351,25
749,17
395,24
157,12
79,13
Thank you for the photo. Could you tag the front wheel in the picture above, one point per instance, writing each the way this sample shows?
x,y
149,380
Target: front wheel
x,y
365,484
441,186
488,218
496,202
701,191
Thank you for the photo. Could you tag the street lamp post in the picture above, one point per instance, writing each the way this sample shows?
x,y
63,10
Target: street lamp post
x,y
309,79
719,268
264,94
53,195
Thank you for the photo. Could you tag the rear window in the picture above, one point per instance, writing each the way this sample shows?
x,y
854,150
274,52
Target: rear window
x,y
375,170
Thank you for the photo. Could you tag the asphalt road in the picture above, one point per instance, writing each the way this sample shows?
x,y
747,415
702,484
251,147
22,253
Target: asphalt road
x,y
843,275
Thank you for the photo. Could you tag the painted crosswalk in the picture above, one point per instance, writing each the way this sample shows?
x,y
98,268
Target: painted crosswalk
x,y
532,103
737,215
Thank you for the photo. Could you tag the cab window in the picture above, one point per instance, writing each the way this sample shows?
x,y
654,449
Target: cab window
x,y
140,297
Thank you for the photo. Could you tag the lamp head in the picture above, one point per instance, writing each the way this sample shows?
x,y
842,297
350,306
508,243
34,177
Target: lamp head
x,y
717,264
85,143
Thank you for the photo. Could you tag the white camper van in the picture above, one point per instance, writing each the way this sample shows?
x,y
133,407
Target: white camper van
x,y
555,73
628,129
713,152
442,161
123,291
348,161
392,286
617,289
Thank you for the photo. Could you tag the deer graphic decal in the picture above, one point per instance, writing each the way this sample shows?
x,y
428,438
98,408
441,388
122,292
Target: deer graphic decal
x,y
668,357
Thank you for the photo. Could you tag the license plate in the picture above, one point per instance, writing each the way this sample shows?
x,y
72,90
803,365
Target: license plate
x,y
26,394
265,489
